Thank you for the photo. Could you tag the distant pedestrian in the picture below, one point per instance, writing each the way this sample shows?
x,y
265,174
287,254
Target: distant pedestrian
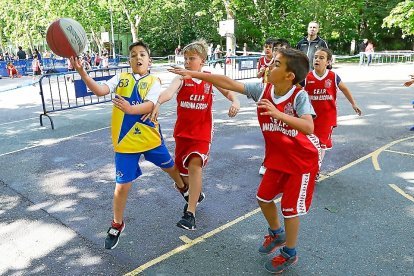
x,y
178,51
369,52
36,67
21,54
245,49
362,46
218,56
310,43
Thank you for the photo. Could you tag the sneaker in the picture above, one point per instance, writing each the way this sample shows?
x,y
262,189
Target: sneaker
x,y
262,170
185,194
272,242
187,221
280,263
200,199
112,238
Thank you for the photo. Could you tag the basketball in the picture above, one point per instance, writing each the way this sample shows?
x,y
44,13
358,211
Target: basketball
x,y
66,37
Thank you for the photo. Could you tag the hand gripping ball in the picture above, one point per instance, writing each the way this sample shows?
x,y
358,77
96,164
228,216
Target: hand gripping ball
x,y
66,37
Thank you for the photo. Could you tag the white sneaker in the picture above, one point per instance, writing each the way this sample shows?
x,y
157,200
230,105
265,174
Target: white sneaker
x,y
262,170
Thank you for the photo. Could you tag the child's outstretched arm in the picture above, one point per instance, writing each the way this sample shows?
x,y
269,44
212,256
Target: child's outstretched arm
x,y
165,96
348,95
303,124
235,103
217,80
97,89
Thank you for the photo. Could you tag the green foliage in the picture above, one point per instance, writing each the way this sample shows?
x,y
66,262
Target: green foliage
x,y
165,24
402,16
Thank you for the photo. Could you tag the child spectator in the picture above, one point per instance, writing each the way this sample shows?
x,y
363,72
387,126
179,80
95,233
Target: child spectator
x,y
322,85
12,71
194,126
136,94
37,71
292,152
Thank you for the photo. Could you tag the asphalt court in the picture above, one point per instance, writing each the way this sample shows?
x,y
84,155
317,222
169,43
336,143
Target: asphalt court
x,y
56,197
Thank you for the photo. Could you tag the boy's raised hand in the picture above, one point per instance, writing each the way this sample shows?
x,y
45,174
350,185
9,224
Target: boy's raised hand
x,y
186,74
76,64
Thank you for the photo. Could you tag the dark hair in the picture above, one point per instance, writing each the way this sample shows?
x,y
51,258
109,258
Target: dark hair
x,y
282,43
296,62
140,43
270,41
20,47
329,55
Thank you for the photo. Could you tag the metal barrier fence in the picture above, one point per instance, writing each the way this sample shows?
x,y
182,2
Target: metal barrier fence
x,y
385,57
65,91
57,65
239,67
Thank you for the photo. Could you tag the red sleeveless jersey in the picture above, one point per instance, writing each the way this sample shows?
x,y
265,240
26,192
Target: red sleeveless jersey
x,y
194,111
322,93
287,149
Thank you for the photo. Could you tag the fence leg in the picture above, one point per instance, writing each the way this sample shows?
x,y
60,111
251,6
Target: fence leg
x,y
50,119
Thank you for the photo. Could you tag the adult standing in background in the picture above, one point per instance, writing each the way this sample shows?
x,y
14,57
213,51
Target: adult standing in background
x,y
362,47
21,54
309,44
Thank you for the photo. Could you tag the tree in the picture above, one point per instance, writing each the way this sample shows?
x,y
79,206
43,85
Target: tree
x,y
402,16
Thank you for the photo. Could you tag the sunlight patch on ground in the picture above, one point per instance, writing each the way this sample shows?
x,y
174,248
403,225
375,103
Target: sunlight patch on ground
x,y
8,203
407,176
354,122
28,241
63,206
379,106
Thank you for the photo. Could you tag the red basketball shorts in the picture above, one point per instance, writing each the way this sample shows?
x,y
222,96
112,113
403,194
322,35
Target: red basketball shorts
x,y
297,190
324,133
184,148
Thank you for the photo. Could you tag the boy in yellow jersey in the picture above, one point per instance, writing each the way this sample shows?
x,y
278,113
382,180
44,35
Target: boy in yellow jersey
x,y
136,94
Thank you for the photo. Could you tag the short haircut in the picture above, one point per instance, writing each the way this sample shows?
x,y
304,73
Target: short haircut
x,y
270,41
316,22
198,47
140,43
282,43
296,62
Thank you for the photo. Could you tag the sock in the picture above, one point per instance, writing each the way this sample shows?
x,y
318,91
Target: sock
x,y
117,225
277,231
290,251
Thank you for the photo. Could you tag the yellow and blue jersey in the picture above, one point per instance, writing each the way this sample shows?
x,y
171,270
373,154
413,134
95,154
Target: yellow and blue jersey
x,y
129,133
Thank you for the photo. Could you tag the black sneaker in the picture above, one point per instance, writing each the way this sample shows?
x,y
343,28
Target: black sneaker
x,y
185,194
200,199
112,238
187,221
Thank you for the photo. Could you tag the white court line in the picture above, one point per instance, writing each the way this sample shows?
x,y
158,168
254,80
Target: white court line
x,y
52,142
